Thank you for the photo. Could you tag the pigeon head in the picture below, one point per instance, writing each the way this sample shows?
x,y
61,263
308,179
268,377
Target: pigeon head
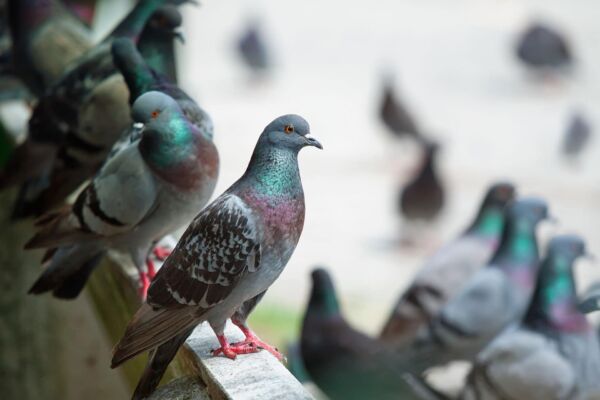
x,y
323,299
166,20
529,209
154,106
568,247
499,194
289,132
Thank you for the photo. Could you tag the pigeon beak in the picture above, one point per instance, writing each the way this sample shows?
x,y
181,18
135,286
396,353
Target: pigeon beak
x,y
310,141
136,132
179,36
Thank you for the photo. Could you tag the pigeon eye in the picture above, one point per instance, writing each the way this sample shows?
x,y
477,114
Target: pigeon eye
x,y
289,129
154,114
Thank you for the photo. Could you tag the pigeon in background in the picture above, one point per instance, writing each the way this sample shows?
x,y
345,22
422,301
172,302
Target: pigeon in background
x,y
492,300
543,49
157,42
577,135
227,258
394,115
591,299
145,191
444,273
252,49
344,363
46,39
422,198
69,130
555,354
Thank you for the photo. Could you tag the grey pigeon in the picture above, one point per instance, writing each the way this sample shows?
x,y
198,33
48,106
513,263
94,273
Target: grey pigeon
x,y
394,114
423,197
344,363
46,39
145,190
555,354
544,49
229,255
493,299
69,130
577,135
446,271
253,50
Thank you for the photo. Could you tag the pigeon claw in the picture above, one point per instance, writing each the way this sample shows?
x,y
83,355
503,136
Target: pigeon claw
x,y
255,343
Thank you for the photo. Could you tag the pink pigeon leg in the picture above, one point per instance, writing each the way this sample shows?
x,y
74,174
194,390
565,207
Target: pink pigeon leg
x,y
144,284
229,351
254,341
162,252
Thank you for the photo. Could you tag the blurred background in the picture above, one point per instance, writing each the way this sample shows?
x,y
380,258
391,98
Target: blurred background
x,y
454,68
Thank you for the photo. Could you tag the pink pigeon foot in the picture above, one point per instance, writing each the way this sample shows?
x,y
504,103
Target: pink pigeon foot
x,y
230,351
144,284
162,252
253,341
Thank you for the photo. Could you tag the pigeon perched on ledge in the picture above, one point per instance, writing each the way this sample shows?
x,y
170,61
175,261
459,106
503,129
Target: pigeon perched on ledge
x,y
444,273
555,354
227,258
145,190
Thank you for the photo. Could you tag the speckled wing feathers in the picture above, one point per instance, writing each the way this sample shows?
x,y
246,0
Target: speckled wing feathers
x,y
219,247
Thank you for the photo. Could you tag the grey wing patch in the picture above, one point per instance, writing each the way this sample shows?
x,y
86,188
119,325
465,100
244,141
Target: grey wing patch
x,y
219,247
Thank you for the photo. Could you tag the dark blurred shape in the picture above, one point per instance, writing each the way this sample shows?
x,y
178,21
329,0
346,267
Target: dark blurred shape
x,y
541,47
344,363
46,39
422,198
75,124
445,272
7,144
85,10
393,113
253,50
591,299
577,135
157,42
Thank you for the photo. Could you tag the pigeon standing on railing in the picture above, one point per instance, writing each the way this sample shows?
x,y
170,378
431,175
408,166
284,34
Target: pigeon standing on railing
x,y
230,254
145,190
344,363
555,354
495,298
543,49
445,273
46,39
75,124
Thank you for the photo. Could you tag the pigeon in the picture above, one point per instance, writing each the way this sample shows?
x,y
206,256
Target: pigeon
x,y
343,362
422,198
543,49
68,129
493,299
252,49
576,136
157,44
145,190
227,258
445,272
394,115
555,353
46,39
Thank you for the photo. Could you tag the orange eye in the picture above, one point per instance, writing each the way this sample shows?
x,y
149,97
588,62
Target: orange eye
x,y
154,114
289,129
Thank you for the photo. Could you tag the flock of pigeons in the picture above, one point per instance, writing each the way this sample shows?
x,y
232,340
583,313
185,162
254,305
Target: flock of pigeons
x,y
111,118
487,297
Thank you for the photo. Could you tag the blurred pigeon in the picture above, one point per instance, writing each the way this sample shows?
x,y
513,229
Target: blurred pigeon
x,y
46,39
444,274
69,130
556,353
495,298
157,42
542,48
144,191
577,135
228,256
394,115
253,50
344,363
423,197
591,299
